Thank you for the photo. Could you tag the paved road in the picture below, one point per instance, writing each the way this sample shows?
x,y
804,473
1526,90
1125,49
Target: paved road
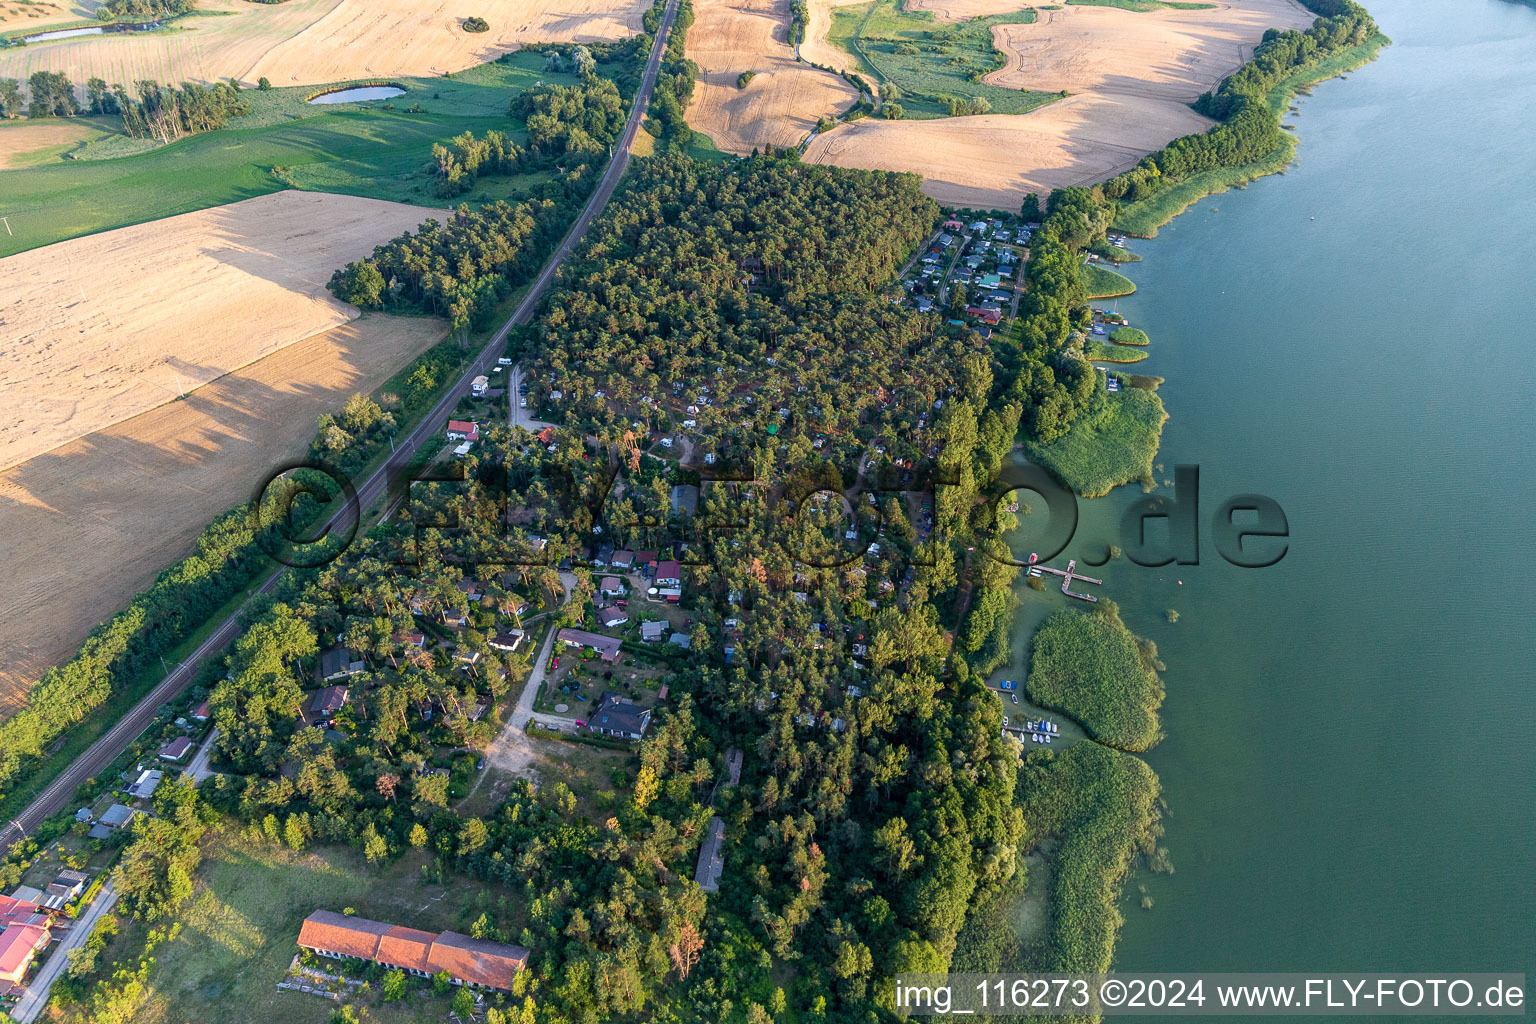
x,y
389,477
36,997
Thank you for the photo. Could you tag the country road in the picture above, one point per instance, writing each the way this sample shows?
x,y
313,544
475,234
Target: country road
x,y
388,478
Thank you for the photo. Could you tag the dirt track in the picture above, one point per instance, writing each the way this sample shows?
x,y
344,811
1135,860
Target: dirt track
x,y
782,103
99,329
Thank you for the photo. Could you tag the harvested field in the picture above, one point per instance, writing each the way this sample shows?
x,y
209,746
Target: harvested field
x,y
102,328
115,508
223,44
362,38
1130,74
995,160
784,99
964,10
312,42
815,47
36,15
1169,53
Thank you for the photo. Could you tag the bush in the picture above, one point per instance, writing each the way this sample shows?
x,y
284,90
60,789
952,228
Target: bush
x,y
476,25
745,77
264,83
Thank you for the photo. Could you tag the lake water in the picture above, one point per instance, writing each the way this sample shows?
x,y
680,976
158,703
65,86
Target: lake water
x,y
1349,769
360,93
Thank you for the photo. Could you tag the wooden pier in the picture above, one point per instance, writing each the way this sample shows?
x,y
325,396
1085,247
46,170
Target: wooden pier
x,y
1068,575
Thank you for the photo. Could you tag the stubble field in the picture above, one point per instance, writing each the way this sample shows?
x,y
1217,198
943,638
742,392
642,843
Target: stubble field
x,y
98,329
784,99
1130,76
104,514
313,42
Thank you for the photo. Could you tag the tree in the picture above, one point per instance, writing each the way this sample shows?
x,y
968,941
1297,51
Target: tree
x,y
442,981
10,98
361,284
395,987
264,83
386,784
464,1003
375,847
418,836
1031,209
473,836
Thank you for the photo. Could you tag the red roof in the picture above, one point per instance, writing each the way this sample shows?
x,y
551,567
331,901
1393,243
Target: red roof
x,y
407,947
17,945
201,712
14,911
669,570
476,961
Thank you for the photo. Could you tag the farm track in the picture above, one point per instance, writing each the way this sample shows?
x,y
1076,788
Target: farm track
x,y
382,482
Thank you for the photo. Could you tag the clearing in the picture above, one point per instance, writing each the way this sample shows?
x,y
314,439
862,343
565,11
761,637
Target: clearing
x,y
312,42
784,99
103,328
1130,75
239,930
133,498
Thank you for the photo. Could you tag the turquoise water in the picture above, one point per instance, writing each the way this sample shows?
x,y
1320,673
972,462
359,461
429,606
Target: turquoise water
x,y
1349,766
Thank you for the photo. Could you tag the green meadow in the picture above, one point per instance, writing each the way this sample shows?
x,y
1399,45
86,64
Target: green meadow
x,y
930,62
379,150
1103,283
1113,442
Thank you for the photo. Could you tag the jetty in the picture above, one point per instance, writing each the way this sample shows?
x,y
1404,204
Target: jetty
x,y
1069,575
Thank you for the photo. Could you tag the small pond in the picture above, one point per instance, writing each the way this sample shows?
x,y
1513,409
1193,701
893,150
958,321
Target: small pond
x,y
91,30
359,93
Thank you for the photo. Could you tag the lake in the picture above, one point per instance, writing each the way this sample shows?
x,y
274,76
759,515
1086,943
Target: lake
x,y
1348,768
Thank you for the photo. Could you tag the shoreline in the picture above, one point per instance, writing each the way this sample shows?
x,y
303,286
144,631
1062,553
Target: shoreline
x,y
1136,787
1143,219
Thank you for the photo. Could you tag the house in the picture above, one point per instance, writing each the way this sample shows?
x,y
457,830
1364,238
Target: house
x,y
147,783
65,886
456,617
463,430
711,857
176,749
984,314
27,894
610,618
410,638
200,713
611,586
669,574
479,384
618,716
685,499
680,640
117,816
653,632
327,702
508,640
473,590
477,963
464,656
644,559
19,943
623,560
339,663
953,225
606,646
604,553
